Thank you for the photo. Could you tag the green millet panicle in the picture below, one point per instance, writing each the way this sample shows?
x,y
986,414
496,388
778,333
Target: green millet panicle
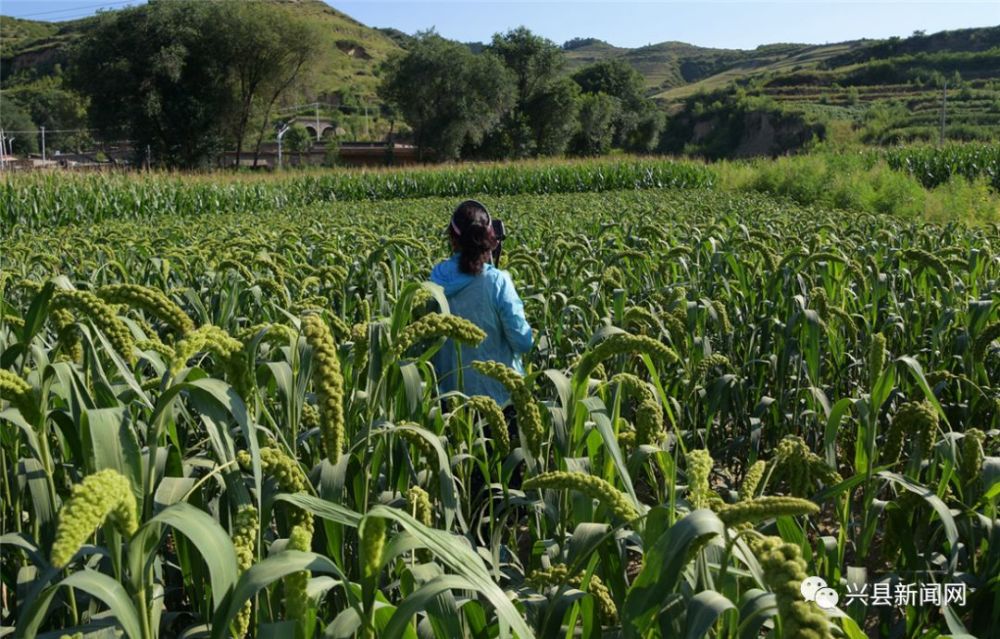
x,y
925,260
490,411
274,333
648,414
712,361
634,386
68,334
529,417
151,301
155,346
819,302
12,386
103,316
289,476
621,343
982,343
594,487
784,569
416,440
752,480
434,325
876,358
244,534
310,416
762,508
296,584
722,316
641,317
372,545
913,421
106,494
328,383
419,504
972,455
800,467
559,574
699,467
649,423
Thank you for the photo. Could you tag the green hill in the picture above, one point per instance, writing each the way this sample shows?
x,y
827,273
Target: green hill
x,y
31,49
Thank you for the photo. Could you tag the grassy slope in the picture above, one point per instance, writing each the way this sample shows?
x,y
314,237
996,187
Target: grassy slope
x,y
25,41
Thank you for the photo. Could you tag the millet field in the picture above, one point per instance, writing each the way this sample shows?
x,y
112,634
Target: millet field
x,y
219,416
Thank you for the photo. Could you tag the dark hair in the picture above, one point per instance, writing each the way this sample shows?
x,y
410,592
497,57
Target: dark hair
x,y
472,232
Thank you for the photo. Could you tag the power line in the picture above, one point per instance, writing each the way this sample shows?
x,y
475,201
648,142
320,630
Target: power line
x,y
49,131
69,9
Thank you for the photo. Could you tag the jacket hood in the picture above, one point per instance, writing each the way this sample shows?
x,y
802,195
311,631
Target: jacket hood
x,y
450,277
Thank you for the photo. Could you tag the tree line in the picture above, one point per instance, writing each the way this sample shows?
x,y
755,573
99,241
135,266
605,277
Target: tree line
x,y
514,100
187,81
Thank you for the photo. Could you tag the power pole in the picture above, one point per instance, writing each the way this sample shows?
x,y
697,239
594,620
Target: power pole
x,y
316,104
43,144
944,107
281,133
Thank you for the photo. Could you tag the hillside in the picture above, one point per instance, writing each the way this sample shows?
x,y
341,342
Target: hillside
x,y
31,49
884,91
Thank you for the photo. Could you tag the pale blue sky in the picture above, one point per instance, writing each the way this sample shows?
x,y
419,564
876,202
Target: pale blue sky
x,y
732,24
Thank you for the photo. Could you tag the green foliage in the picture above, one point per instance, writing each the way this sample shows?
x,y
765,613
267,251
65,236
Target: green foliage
x,y
778,344
449,95
15,118
185,79
596,133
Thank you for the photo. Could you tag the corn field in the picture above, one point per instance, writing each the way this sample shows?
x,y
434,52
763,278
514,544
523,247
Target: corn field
x,y
228,424
935,166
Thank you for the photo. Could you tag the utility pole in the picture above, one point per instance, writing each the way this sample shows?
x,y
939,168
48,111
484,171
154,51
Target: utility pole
x,y
944,107
316,104
3,153
43,144
282,130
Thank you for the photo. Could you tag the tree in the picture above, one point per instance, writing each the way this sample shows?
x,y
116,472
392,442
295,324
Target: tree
x,y
637,122
186,78
52,105
449,95
553,116
597,112
16,123
298,141
534,60
544,115
270,50
154,74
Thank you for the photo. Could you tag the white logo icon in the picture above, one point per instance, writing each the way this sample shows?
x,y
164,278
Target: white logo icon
x,y
815,589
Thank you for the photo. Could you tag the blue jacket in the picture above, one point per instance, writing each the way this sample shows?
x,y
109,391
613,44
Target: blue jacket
x,y
490,302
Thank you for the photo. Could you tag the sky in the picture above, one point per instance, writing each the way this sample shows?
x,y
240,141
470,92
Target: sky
x,y
730,24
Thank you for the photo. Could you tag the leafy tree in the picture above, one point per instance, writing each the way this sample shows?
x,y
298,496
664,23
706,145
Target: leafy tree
x,y
534,60
15,119
449,95
154,74
298,140
637,122
553,116
186,77
597,112
544,116
50,104
269,47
